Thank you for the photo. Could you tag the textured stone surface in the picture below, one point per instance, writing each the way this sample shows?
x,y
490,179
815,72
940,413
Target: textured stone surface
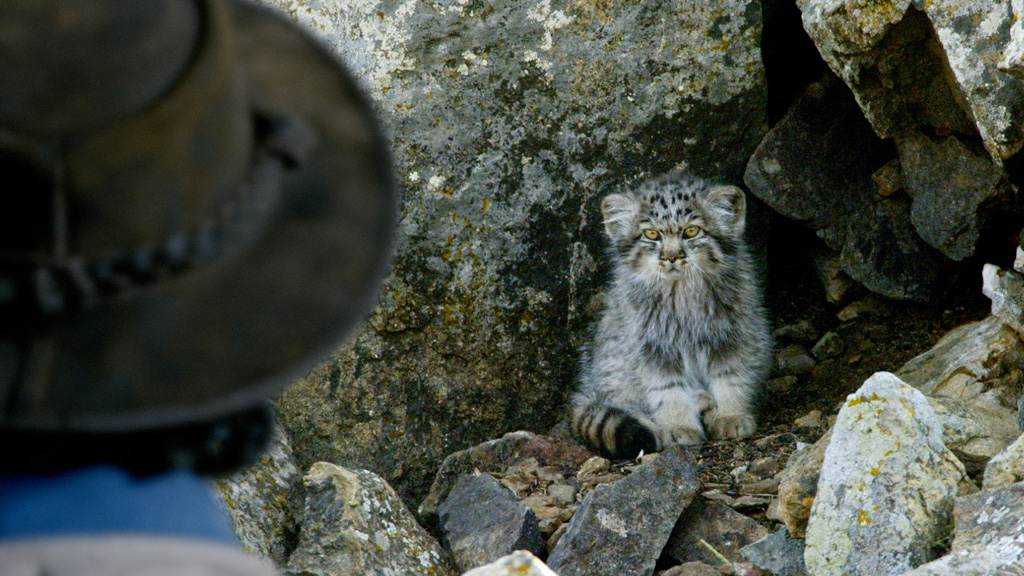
x,y
950,180
989,536
777,554
520,563
725,529
887,485
621,528
508,121
1006,467
355,524
264,502
1006,290
924,63
973,434
497,456
981,364
798,484
816,166
482,522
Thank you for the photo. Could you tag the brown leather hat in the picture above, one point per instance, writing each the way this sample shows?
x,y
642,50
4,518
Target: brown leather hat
x,y
196,206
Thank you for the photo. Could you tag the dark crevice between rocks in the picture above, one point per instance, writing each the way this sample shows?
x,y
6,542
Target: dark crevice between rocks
x,y
791,61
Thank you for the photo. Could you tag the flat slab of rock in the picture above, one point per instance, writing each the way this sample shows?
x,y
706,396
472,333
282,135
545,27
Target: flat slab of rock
x,y
723,528
887,485
355,525
777,554
621,528
482,521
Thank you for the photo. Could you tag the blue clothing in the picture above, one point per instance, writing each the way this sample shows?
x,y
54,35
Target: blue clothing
x,y
108,500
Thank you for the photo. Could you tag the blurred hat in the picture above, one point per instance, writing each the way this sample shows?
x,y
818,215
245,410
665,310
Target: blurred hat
x,y
197,207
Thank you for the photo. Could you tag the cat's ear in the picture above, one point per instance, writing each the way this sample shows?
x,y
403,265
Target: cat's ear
x,y
619,211
729,205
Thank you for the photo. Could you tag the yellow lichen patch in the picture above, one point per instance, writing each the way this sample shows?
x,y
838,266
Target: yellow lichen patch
x,y
857,401
863,517
874,471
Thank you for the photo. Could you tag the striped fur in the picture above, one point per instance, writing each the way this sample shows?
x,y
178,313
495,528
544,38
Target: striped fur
x,y
683,344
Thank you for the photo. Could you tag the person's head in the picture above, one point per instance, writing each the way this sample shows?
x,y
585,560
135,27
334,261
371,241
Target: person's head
x,y
197,207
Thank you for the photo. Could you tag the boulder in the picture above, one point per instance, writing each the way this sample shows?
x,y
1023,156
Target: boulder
x,y
816,166
888,485
621,528
482,522
717,525
925,64
980,364
520,563
355,524
508,121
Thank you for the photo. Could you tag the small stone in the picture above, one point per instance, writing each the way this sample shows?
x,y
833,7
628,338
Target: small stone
x,y
888,178
717,495
593,467
761,487
556,536
782,384
765,466
829,346
799,331
794,359
1018,260
810,420
860,309
777,554
750,501
563,493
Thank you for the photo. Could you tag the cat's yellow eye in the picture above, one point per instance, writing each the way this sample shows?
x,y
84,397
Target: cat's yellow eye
x,y
651,234
691,231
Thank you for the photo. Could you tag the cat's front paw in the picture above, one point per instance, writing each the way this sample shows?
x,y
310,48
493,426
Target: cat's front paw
x,y
683,436
736,426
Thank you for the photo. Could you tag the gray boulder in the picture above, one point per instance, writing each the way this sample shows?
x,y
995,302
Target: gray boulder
x,y
482,521
621,528
508,121
354,524
816,166
973,434
888,485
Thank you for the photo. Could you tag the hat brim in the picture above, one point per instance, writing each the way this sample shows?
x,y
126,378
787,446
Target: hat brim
x,y
232,333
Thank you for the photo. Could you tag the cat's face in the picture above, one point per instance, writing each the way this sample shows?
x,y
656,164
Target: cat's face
x,y
670,229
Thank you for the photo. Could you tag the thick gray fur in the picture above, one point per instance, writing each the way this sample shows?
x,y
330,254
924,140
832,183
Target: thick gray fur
x,y
683,344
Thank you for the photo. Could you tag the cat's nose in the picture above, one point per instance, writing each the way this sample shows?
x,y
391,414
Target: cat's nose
x,y
670,256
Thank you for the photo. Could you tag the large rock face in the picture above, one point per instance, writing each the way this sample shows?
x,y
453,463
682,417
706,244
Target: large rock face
x,y
508,121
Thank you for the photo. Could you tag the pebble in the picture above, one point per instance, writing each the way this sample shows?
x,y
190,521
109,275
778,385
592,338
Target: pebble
x,y
810,420
794,359
782,384
800,331
829,346
765,466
